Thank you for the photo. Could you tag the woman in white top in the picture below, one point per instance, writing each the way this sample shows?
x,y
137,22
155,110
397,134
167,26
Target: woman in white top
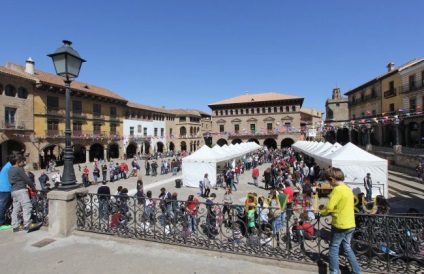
x,y
207,185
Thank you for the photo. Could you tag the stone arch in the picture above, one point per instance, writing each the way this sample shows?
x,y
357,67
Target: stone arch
x,y
221,142
254,140
236,141
97,152
79,153
160,147
270,143
171,146
131,150
287,142
183,146
8,147
51,151
183,131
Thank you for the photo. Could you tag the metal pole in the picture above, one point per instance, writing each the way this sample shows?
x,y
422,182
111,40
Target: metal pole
x,y
350,134
369,136
68,178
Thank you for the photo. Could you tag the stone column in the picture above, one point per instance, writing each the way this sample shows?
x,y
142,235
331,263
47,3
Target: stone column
x,y
105,154
87,155
63,211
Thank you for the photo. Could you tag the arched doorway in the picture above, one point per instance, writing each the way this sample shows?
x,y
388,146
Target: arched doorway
x,y
183,132
8,147
96,152
254,140
183,146
146,147
222,142
51,152
237,141
171,146
79,154
131,150
160,147
287,142
113,150
270,143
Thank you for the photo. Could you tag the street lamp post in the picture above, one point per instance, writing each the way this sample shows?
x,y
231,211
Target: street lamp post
x,y
368,125
67,63
396,122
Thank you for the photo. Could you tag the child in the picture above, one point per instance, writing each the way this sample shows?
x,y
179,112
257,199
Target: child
x,y
200,189
237,236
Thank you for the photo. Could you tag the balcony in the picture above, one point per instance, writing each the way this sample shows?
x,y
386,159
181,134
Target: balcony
x,y
78,114
114,118
98,116
390,93
54,111
413,86
54,132
12,126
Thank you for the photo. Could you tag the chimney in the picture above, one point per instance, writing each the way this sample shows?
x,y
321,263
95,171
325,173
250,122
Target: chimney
x,y
29,66
390,67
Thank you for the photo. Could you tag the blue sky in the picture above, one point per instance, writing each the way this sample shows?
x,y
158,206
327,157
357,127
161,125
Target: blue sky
x,y
190,53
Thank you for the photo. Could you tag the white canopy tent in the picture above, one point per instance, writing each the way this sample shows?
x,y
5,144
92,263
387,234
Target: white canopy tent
x,y
205,160
355,164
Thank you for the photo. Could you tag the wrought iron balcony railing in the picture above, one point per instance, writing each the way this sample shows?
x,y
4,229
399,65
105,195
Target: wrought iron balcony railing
x,y
390,93
55,111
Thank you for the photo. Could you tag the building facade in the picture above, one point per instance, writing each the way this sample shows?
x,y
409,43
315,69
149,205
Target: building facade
x,y
269,119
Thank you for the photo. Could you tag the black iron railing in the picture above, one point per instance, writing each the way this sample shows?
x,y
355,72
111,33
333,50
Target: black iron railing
x,y
40,209
382,243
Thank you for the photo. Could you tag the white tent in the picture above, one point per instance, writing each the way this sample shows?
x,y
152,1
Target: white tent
x,y
355,164
205,160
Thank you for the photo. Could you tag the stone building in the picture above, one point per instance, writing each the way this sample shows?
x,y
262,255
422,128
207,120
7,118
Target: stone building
x,y
269,119
96,117
337,112
375,105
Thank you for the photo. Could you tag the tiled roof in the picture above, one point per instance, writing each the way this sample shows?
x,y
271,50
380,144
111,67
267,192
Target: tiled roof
x,y
55,80
9,71
260,97
311,111
191,112
144,107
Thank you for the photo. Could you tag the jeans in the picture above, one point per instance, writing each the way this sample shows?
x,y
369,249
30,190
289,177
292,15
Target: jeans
x,y
175,171
104,175
279,223
22,202
104,208
237,178
255,181
95,177
369,194
5,202
344,237
232,185
192,223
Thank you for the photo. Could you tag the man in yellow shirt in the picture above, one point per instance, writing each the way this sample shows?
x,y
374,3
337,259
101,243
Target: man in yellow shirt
x,y
341,208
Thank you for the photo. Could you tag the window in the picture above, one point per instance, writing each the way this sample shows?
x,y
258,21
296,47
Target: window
x,y
287,108
162,131
226,112
97,128
252,128
97,110
131,131
269,126
231,112
76,107
362,97
241,111
392,85
275,109
9,117
52,102
236,129
412,82
155,132
10,90
392,107
247,111
337,104
139,129
373,93
236,111
330,114
53,127
145,131
22,93
293,108
258,110
217,113
412,104
183,119
269,109
113,112
281,109
221,128
76,127
170,132
374,112
113,128
263,110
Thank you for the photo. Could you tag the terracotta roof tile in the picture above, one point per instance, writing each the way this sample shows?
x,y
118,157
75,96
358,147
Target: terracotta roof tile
x,y
260,97
191,112
55,80
9,71
144,107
